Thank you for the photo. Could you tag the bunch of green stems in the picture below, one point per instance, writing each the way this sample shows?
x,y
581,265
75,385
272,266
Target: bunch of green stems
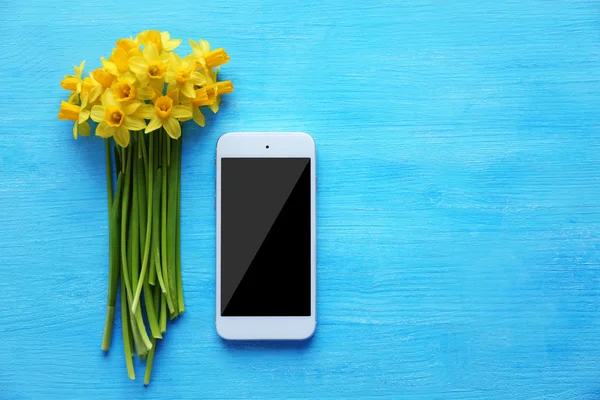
x,y
144,242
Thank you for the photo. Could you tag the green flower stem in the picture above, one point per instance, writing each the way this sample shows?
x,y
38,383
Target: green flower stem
x,y
142,207
125,276
134,230
148,229
156,228
144,151
123,152
155,220
172,223
109,188
156,293
163,225
180,304
124,214
149,362
114,268
126,335
140,347
152,270
117,154
156,235
151,313
168,142
162,321
110,308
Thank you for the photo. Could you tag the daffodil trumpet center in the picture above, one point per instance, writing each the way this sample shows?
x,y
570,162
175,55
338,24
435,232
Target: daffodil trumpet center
x,y
216,57
68,111
114,116
124,91
163,107
70,83
182,75
154,37
103,77
156,69
204,96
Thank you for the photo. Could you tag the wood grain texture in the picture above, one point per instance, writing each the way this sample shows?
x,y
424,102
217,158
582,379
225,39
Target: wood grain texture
x,y
458,216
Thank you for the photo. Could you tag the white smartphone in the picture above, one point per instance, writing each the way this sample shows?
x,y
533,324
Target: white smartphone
x,y
266,247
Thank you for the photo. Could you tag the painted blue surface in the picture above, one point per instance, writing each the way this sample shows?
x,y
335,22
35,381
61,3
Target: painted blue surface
x,y
458,205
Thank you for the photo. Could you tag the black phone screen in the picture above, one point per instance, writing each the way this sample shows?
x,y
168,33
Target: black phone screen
x,y
265,237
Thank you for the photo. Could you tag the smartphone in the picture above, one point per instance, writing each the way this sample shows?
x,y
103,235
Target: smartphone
x,y
266,247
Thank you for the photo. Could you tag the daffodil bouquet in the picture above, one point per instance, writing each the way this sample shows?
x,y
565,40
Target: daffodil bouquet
x,y
140,97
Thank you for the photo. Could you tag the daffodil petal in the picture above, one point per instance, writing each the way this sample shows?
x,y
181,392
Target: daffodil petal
x,y
145,93
165,57
97,113
199,117
168,43
134,123
79,70
150,52
154,124
204,46
95,93
128,77
84,129
75,131
172,127
138,65
197,79
174,95
145,111
188,62
181,112
104,130
170,76
157,84
73,98
194,45
122,136
131,108
110,66
83,116
85,97
215,106
187,89
171,45
108,99
172,87
175,60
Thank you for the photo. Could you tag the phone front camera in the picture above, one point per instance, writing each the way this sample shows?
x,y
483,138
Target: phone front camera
x,y
267,146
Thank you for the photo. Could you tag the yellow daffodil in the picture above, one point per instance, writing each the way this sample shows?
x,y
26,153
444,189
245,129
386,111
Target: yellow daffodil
x,y
78,114
91,89
70,82
139,70
126,90
214,89
207,58
182,76
161,40
210,96
150,68
103,77
118,63
117,119
168,115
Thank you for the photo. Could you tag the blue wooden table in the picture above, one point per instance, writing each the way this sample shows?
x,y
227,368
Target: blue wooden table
x,y
458,206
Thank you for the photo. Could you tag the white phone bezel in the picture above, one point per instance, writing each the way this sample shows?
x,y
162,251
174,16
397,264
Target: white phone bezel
x,y
280,145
